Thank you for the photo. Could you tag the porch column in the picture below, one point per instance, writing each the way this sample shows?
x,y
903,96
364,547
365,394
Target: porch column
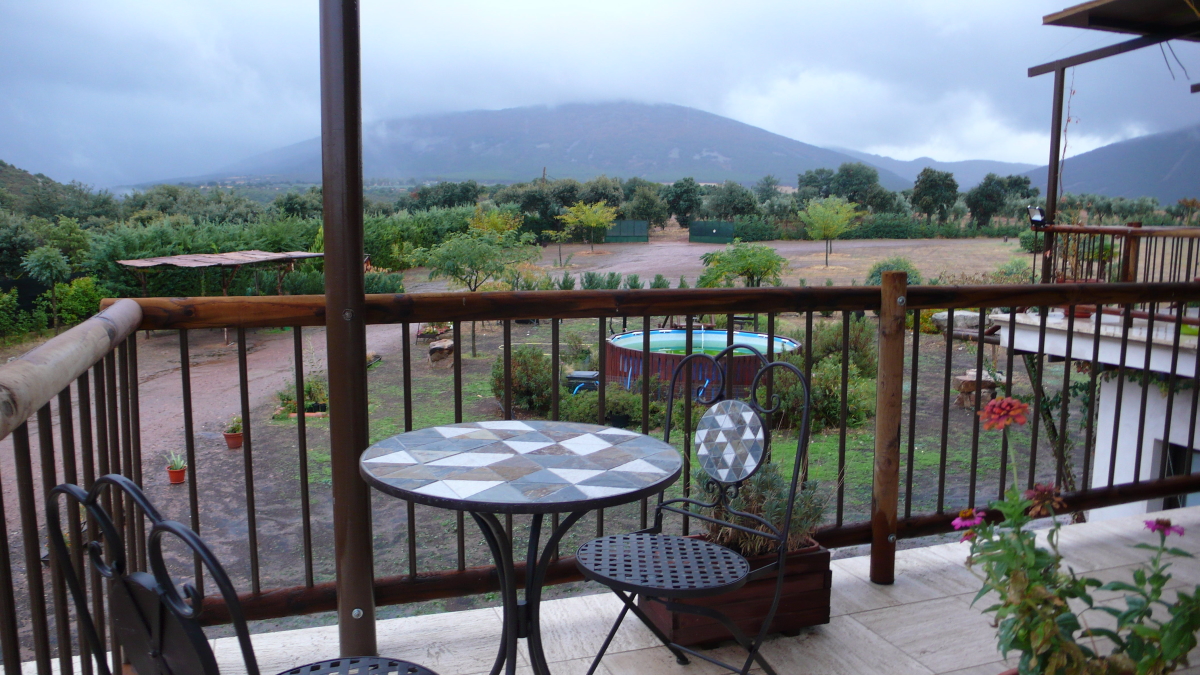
x,y
346,337
1052,172
889,402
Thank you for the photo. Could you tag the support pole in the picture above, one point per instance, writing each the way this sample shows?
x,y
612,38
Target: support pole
x,y
889,401
342,182
1056,124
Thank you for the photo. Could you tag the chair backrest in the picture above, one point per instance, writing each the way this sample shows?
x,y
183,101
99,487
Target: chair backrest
x,y
155,621
731,441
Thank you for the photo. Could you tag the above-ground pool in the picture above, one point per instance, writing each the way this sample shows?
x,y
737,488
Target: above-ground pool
x,y
624,357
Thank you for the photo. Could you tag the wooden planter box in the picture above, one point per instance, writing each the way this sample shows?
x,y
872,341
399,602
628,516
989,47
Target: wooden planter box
x,y
804,602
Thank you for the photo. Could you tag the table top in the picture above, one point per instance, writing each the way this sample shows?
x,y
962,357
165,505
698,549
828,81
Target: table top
x,y
512,466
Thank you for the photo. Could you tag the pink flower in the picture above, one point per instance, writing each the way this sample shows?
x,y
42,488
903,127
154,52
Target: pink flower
x,y
968,518
1003,411
967,536
1164,525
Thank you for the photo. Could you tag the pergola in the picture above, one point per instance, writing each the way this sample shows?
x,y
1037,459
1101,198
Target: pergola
x,y
232,259
1152,21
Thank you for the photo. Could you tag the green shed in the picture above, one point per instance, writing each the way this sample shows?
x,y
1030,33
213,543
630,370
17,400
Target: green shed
x,y
711,232
628,232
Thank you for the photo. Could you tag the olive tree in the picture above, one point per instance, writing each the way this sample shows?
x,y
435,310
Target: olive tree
x,y
752,263
586,221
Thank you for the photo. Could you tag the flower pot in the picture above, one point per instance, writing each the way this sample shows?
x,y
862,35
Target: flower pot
x,y
804,602
177,476
234,441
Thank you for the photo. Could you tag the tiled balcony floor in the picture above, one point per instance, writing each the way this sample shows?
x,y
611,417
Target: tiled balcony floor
x,y
922,624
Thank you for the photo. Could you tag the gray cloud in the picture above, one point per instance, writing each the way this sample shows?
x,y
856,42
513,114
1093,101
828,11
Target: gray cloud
x,y
130,91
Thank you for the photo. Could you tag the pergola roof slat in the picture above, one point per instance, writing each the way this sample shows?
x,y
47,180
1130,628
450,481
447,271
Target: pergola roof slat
x,y
230,259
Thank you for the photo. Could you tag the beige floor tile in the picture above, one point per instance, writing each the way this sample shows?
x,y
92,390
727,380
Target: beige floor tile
x,y
842,647
660,661
574,628
850,594
574,667
986,669
943,634
920,576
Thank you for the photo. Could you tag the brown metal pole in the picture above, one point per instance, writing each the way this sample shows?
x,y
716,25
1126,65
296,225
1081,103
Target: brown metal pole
x,y
341,168
1056,122
889,401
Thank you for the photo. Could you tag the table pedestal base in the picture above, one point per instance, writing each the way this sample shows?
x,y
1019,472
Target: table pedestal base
x,y
521,619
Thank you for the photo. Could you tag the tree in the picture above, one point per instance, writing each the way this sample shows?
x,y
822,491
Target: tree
x,y
447,195
48,266
986,199
586,221
495,221
853,181
70,240
1188,208
934,192
827,219
16,240
752,263
301,205
647,205
683,200
631,186
1020,187
814,184
731,200
602,189
473,259
767,188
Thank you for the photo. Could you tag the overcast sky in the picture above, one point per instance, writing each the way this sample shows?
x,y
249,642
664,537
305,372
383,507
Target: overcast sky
x,y
124,91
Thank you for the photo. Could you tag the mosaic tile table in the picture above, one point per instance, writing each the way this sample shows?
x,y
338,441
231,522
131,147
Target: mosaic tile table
x,y
521,467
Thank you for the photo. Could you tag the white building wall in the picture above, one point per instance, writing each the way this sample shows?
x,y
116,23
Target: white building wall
x,y
1150,428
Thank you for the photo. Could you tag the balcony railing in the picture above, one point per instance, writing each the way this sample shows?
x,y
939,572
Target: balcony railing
x,y
1098,254
76,398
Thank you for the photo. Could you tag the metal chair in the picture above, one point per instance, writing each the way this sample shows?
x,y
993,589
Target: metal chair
x,y
731,443
154,620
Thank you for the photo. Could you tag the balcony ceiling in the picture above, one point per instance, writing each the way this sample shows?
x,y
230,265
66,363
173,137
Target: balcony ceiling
x,y
1132,17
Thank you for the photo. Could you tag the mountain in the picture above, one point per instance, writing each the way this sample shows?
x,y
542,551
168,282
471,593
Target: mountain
x,y
657,142
1164,165
968,173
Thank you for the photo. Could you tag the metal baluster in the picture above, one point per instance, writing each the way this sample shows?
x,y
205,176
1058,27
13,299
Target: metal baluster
x,y
302,454
248,461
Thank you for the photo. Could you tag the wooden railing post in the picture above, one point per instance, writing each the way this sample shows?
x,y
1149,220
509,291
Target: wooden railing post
x,y
889,399
345,318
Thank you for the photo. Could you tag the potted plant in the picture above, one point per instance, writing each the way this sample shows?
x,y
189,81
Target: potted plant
x,y
233,433
176,468
1034,590
807,580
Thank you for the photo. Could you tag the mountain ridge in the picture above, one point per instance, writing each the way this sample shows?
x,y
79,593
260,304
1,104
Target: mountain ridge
x,y
661,142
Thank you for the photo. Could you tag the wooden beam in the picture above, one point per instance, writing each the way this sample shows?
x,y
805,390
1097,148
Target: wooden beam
x,y
1113,50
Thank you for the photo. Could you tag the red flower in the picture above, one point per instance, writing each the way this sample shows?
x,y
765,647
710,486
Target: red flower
x,y
968,518
1003,411
1164,525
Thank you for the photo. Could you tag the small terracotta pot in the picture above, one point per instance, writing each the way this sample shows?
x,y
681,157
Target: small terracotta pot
x,y
177,476
234,441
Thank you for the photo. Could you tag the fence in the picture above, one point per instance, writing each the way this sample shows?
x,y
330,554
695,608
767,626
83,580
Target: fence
x,y
628,231
1113,254
711,232
924,460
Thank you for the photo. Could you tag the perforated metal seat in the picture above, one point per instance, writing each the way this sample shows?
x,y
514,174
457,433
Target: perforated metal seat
x,y
361,665
662,565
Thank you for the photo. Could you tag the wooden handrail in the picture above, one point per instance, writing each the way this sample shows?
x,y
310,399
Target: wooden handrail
x,y
309,310
29,381
1181,232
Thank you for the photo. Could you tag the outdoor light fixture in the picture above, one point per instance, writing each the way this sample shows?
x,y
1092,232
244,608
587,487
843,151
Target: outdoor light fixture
x,y
1037,217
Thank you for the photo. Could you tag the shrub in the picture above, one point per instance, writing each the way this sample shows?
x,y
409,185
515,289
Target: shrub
x,y
612,281
827,395
827,344
383,282
1015,271
78,300
8,313
1033,242
578,351
927,325
633,282
309,281
885,226
894,264
660,282
567,282
593,281
530,379
584,406
753,228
